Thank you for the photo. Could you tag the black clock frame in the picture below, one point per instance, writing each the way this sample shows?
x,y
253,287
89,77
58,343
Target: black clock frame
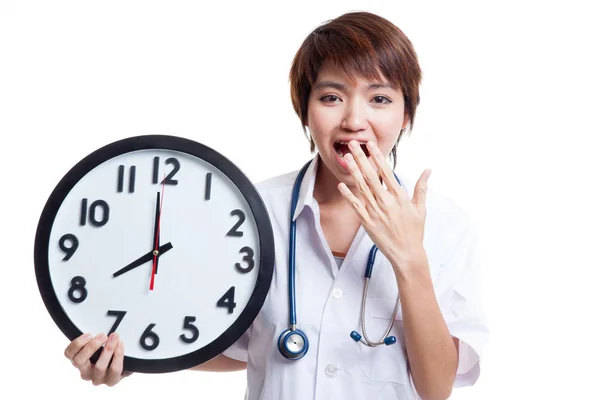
x,y
191,147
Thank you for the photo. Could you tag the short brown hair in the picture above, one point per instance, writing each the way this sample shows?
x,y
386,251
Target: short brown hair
x,y
362,44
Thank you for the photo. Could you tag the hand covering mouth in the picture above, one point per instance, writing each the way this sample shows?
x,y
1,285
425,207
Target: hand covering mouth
x,y
341,147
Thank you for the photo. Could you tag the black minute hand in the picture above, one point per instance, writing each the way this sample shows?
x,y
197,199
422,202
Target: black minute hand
x,y
143,259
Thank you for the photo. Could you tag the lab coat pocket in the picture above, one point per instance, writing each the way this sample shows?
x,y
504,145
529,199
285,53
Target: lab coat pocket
x,y
383,363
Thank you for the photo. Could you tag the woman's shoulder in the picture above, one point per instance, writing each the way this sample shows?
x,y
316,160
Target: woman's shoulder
x,y
274,185
448,224
441,206
437,197
276,193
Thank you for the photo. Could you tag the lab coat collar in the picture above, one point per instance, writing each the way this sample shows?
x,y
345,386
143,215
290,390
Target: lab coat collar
x,y
305,195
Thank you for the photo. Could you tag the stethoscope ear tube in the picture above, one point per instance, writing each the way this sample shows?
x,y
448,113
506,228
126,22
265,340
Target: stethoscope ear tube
x,y
387,340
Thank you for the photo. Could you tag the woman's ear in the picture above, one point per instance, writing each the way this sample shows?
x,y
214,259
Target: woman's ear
x,y
406,121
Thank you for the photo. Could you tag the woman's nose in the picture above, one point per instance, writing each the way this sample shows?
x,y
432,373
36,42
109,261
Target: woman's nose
x,y
355,117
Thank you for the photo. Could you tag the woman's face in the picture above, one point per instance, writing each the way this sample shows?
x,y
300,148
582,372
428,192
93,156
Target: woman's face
x,y
340,111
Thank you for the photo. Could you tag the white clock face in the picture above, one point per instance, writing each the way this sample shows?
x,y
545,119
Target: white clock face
x,y
208,263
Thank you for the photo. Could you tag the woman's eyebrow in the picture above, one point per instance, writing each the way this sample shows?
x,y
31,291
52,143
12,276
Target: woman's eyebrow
x,y
341,86
331,84
380,86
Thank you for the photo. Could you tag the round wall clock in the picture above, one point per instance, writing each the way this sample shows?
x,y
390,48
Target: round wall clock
x,y
161,239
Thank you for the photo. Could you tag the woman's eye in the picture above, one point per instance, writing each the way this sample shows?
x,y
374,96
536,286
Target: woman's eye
x,y
330,98
381,100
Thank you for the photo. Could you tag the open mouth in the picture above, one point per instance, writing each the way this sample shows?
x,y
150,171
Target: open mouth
x,y
341,148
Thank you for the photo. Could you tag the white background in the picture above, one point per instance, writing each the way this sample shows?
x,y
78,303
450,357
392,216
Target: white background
x,y
508,123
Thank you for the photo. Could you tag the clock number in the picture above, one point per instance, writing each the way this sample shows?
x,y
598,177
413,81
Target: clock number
x,y
228,300
119,315
242,217
93,212
121,179
169,178
248,258
208,186
187,324
148,334
77,286
73,244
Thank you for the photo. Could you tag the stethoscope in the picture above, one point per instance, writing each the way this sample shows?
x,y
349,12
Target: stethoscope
x,y
293,342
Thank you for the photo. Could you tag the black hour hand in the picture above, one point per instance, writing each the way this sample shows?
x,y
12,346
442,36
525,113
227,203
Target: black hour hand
x,y
143,259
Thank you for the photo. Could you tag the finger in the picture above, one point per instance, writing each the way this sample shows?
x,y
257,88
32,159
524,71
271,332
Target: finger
x,y
76,345
420,194
364,191
115,370
368,172
101,366
385,170
355,202
82,359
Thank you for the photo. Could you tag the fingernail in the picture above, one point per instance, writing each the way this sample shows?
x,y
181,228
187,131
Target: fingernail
x,y
86,336
371,144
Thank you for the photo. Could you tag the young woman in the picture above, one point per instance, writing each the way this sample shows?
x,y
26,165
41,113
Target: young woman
x,y
355,87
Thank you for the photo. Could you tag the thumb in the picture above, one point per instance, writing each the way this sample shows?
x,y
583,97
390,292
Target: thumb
x,y
420,194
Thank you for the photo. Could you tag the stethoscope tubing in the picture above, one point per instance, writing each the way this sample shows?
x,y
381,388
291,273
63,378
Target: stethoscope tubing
x,y
294,335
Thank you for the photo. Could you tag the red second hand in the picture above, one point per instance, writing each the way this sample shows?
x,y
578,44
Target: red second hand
x,y
157,235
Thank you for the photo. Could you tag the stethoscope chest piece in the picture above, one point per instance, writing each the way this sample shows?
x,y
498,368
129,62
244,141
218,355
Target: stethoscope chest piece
x,y
293,344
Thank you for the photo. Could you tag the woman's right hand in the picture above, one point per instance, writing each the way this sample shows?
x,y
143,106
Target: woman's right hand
x,y
108,369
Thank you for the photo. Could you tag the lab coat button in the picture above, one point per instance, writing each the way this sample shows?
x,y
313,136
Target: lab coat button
x,y
337,293
331,370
